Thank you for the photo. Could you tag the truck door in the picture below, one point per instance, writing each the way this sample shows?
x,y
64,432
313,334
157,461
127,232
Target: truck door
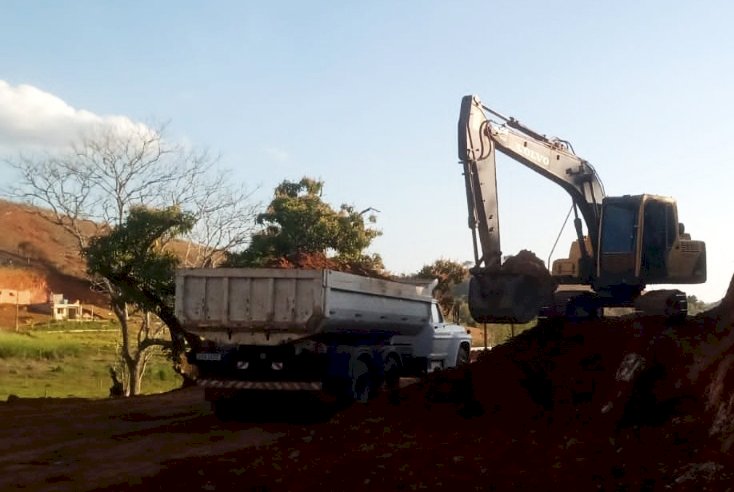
x,y
441,334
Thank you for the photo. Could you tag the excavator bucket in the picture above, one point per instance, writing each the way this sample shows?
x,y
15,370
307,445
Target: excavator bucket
x,y
504,297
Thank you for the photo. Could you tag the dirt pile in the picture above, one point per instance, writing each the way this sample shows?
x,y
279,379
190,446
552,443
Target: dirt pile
x,y
612,404
513,293
728,301
526,263
313,261
318,261
725,309
30,239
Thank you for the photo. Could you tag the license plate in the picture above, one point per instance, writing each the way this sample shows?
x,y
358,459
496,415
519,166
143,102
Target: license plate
x,y
208,356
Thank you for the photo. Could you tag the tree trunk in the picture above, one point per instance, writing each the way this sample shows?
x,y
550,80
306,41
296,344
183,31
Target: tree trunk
x,y
130,376
133,382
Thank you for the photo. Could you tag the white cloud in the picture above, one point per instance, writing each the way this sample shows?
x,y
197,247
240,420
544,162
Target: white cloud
x,y
31,119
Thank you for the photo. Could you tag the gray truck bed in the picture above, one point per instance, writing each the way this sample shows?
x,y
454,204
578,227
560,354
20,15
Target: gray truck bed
x,y
272,306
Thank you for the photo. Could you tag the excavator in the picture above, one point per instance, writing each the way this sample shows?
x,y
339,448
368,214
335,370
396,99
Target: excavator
x,y
630,241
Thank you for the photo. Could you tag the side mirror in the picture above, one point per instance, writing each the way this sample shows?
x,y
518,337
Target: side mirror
x,y
681,228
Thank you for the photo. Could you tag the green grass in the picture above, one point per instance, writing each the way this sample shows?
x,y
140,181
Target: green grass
x,y
74,326
69,364
29,346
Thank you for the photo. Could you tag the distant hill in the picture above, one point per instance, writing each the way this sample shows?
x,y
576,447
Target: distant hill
x,y
40,256
26,237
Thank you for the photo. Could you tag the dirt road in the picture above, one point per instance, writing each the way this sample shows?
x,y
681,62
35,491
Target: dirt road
x,y
74,444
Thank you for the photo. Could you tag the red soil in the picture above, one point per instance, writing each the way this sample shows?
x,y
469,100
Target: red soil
x,y
615,404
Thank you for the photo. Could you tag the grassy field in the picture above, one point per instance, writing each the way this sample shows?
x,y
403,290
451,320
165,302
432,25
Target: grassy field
x,y
69,360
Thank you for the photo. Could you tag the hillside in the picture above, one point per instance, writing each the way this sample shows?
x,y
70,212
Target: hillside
x,y
41,257
29,239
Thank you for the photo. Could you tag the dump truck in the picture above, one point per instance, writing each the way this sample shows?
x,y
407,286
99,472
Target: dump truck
x,y
311,330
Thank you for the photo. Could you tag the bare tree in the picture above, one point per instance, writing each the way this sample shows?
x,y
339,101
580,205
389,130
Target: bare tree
x,y
220,227
90,189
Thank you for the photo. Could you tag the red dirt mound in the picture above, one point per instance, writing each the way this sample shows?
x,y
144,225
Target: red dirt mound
x,y
613,404
526,263
318,261
724,311
727,303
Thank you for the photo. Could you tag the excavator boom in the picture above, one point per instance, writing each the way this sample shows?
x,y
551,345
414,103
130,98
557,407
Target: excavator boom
x,y
554,159
496,294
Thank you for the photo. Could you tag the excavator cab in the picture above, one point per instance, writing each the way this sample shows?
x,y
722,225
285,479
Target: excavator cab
x,y
642,242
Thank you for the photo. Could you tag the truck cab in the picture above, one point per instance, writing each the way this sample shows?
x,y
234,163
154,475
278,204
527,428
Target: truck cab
x,y
439,345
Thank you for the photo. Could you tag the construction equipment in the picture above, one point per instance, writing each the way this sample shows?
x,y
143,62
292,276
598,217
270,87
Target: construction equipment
x,y
630,241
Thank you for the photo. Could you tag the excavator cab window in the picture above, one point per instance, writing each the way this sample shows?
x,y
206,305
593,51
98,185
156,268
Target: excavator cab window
x,y
619,232
618,247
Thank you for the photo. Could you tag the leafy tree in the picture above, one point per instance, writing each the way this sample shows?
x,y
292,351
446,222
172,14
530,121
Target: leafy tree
x,y
90,188
140,273
449,274
299,222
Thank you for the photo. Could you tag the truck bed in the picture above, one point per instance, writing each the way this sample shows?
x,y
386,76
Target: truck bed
x,y
273,306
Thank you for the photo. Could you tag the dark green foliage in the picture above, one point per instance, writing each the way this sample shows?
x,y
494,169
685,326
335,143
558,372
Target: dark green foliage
x,y
132,259
299,222
131,256
449,274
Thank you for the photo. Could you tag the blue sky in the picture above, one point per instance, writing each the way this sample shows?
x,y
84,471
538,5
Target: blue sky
x,y
365,95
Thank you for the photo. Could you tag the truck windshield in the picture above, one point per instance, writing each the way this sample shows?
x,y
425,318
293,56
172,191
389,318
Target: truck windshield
x,y
619,228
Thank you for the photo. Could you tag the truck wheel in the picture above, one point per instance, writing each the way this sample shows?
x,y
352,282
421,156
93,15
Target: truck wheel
x,y
224,409
392,372
361,380
462,356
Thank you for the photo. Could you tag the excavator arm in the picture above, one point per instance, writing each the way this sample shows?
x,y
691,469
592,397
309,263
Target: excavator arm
x,y
498,295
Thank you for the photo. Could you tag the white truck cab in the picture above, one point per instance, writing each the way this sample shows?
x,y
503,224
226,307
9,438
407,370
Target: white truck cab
x,y
439,345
